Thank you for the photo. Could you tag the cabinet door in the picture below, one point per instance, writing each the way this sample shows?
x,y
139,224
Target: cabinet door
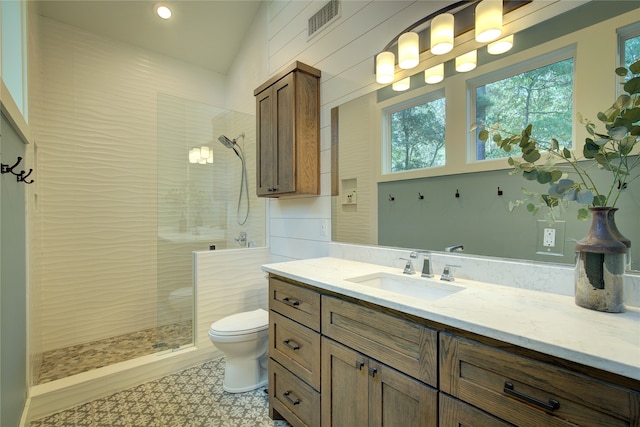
x,y
284,143
344,399
265,150
397,400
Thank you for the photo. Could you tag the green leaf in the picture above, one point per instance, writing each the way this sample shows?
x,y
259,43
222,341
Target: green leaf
x,y
497,137
531,156
623,101
544,177
585,197
566,153
565,184
599,200
530,175
483,135
616,133
555,175
555,145
583,214
632,114
635,67
602,117
632,86
621,71
531,207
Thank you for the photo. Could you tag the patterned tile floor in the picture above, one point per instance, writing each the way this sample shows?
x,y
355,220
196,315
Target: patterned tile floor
x,y
73,360
191,398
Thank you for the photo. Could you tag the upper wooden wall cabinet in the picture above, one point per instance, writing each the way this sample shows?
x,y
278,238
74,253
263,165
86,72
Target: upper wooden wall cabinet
x,y
288,133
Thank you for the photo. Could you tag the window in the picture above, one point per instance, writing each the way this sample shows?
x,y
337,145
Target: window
x,y
416,134
14,52
542,97
629,42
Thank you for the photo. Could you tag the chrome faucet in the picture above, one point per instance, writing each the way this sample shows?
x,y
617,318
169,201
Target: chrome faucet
x,y
408,267
447,273
454,248
427,269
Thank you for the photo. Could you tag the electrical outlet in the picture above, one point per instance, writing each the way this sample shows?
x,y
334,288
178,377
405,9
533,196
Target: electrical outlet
x,y
549,238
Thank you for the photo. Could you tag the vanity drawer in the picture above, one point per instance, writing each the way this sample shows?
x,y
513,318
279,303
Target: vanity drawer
x,y
455,413
407,346
298,403
528,392
296,347
296,302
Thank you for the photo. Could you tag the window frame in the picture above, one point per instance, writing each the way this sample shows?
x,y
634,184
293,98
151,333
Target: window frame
x,y
425,98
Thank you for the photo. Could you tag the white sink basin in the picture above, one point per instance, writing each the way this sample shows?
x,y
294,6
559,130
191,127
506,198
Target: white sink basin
x,y
418,287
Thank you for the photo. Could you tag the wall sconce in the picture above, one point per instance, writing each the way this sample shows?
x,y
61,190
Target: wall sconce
x,y
500,46
201,155
385,67
434,75
488,20
442,34
408,50
467,61
401,85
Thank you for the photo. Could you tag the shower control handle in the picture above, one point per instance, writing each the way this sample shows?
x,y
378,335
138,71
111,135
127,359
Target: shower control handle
x,y
291,344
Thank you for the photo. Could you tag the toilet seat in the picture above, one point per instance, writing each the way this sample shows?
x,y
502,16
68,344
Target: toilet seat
x,y
241,323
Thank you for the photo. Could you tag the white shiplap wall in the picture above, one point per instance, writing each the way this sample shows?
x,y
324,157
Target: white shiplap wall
x,y
344,52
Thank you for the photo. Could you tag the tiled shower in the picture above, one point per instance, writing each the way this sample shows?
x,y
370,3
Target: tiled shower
x,y
118,208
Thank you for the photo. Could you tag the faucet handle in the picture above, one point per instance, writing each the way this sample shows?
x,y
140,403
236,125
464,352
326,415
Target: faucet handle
x,y
408,268
447,273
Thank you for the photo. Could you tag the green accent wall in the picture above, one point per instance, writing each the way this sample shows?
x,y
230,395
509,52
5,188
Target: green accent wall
x,y
480,219
13,283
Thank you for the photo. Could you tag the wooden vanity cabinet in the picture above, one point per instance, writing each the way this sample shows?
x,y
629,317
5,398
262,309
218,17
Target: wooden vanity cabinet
x,y
527,392
294,353
360,392
288,133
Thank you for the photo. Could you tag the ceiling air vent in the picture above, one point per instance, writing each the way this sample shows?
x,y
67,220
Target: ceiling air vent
x,y
328,12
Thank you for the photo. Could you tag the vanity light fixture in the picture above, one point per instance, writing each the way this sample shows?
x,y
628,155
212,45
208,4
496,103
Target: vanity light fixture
x,y
467,61
401,85
442,34
385,67
488,20
408,50
162,10
434,75
500,46
201,155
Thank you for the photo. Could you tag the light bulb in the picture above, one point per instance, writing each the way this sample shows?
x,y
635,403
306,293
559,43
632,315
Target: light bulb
x,y
401,85
488,20
434,75
385,67
500,46
442,34
467,61
162,11
408,50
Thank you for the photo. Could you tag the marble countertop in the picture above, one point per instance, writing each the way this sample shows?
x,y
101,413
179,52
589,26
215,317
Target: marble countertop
x,y
540,321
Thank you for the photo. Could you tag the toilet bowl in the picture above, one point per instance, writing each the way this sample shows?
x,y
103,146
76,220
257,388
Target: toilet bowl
x,y
243,338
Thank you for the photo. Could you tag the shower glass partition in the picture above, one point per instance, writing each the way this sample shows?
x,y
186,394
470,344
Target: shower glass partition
x,y
200,206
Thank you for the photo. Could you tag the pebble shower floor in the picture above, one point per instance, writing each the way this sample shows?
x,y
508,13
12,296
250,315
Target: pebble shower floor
x,y
191,398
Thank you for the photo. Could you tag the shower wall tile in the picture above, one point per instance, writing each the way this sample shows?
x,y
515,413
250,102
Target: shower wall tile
x,y
95,118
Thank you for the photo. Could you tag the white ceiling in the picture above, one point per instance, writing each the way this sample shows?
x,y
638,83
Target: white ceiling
x,y
207,33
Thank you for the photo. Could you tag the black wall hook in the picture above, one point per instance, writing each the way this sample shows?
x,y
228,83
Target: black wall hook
x,y
391,198
420,196
21,176
622,185
457,194
499,192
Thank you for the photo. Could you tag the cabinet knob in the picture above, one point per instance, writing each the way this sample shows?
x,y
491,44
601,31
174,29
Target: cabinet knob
x,y
359,365
373,371
551,406
289,301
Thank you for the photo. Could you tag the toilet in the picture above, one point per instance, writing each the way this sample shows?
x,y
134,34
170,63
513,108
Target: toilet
x,y
243,338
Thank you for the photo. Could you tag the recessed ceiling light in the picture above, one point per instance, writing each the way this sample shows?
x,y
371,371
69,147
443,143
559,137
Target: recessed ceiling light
x,y
162,10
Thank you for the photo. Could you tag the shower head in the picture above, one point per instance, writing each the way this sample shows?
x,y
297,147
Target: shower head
x,y
226,141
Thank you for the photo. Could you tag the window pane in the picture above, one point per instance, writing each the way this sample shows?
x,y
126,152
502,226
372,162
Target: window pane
x,y
631,51
417,136
542,97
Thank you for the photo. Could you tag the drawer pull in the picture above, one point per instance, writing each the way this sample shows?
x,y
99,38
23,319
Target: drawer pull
x,y
552,405
359,365
373,371
291,344
294,400
289,301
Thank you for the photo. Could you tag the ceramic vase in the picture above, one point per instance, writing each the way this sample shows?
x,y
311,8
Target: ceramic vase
x,y
600,266
614,230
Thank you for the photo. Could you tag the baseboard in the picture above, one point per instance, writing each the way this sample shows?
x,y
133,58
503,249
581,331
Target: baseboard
x,y
55,396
